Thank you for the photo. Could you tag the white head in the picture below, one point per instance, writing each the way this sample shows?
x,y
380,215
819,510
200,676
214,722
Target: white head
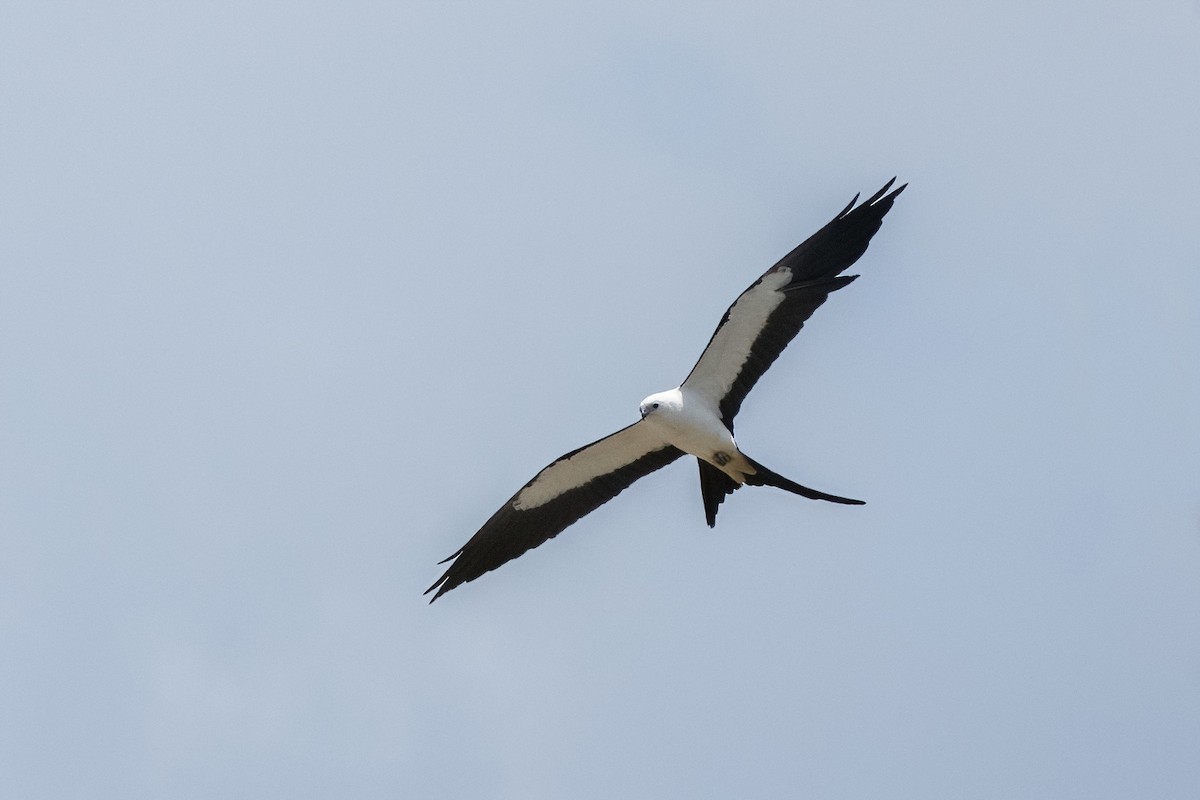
x,y
658,401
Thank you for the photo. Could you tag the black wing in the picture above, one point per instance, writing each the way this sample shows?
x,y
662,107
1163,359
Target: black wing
x,y
769,314
565,491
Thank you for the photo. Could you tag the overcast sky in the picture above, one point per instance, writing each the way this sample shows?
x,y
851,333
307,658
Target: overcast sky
x,y
294,295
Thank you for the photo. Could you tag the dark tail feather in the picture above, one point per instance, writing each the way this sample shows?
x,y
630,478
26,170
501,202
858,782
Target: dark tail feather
x,y
765,477
714,486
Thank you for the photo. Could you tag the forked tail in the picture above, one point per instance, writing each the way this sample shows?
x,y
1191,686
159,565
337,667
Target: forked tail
x,y
765,477
715,486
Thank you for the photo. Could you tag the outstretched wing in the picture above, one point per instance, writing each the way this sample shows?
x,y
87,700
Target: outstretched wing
x,y
768,315
571,487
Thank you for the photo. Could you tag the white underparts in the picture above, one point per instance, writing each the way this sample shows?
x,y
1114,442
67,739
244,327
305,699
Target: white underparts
x,y
691,421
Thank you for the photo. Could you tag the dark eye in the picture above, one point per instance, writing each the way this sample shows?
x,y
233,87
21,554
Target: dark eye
x,y
654,405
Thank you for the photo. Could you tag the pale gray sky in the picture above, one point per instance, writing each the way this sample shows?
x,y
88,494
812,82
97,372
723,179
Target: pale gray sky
x,y
294,295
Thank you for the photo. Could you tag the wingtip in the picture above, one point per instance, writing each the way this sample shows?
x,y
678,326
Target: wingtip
x,y
440,585
880,196
875,197
849,206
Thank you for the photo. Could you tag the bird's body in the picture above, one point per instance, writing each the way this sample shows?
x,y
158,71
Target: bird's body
x,y
691,422
696,417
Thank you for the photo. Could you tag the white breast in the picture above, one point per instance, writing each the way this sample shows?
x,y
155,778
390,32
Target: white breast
x,y
692,423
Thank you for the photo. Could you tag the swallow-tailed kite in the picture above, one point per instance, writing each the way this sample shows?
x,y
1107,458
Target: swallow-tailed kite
x,y
695,418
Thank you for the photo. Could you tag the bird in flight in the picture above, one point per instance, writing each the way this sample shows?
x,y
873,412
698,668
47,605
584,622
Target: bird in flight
x,y
696,417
